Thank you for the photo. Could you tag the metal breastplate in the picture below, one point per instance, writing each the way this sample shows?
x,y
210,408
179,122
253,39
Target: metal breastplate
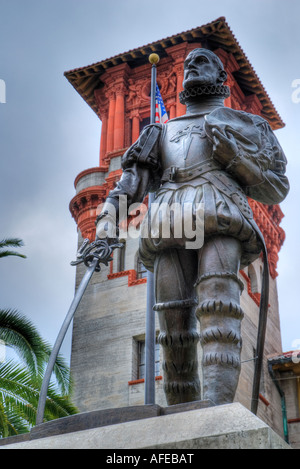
x,y
185,143
187,156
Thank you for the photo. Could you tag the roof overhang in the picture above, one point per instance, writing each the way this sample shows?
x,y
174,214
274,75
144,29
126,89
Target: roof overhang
x,y
214,35
288,361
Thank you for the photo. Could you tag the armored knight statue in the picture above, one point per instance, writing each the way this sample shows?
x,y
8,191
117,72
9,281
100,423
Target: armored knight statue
x,y
214,156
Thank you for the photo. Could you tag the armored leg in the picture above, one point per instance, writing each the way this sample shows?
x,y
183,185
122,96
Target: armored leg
x,y
178,325
220,316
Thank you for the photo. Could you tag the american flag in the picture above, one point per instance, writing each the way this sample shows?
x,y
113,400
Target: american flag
x,y
161,115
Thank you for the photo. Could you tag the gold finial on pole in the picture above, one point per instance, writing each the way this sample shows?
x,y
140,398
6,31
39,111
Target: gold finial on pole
x,y
154,59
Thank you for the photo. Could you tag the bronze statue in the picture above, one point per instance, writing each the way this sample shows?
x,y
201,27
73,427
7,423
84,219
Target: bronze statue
x,y
214,156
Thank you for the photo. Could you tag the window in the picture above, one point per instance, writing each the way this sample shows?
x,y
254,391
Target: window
x,y
139,358
141,271
142,359
253,279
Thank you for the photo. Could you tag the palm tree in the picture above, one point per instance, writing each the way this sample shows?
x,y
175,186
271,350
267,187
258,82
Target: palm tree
x,y
20,383
19,396
18,333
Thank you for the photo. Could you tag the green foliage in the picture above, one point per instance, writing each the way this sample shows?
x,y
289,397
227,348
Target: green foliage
x,y
21,381
10,243
21,335
19,395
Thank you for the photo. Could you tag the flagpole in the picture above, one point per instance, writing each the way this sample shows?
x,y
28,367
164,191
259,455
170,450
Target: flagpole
x,y
150,315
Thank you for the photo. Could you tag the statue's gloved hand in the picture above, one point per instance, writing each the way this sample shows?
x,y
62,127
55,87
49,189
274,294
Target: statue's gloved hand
x,y
225,148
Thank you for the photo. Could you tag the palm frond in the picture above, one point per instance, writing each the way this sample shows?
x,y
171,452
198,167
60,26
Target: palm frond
x,y
61,371
4,425
11,242
20,385
11,253
19,397
16,393
19,333
8,243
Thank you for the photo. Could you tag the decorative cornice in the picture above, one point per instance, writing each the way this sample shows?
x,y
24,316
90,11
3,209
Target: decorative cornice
x,y
86,172
84,207
268,219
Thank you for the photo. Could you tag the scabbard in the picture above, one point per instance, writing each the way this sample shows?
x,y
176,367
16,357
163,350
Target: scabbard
x,y
262,324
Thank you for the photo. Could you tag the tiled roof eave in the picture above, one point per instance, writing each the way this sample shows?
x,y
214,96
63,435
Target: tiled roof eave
x,y
86,79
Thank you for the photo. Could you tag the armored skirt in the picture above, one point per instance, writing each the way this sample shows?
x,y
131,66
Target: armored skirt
x,y
213,211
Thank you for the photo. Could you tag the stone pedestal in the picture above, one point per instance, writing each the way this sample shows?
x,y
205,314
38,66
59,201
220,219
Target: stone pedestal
x,y
192,426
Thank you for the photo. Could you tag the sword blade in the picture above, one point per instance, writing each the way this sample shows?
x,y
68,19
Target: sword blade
x,y
52,359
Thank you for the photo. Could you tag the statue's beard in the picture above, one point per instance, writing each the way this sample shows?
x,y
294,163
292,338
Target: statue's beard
x,y
203,90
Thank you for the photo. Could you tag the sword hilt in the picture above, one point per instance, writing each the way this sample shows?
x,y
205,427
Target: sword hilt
x,y
82,247
99,249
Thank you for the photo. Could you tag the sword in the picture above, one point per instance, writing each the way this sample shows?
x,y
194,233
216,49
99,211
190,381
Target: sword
x,y
92,255
262,323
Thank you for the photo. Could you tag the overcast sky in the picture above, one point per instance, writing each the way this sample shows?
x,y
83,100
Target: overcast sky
x,y
48,134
